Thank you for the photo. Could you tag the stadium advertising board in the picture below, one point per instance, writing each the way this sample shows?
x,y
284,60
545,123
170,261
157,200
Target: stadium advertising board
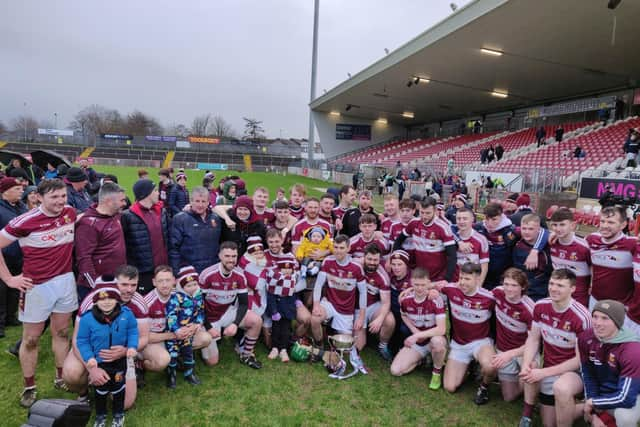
x,y
213,166
116,136
156,138
594,188
577,106
353,132
203,140
55,132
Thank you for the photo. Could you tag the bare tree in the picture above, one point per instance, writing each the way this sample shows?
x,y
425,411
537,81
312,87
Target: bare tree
x,y
253,128
200,125
3,128
178,130
138,123
94,120
25,126
221,128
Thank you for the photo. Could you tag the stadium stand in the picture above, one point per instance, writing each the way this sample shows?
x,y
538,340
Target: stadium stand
x,y
603,146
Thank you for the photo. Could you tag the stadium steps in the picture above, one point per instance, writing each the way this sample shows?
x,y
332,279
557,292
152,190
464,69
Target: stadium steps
x,y
87,152
168,158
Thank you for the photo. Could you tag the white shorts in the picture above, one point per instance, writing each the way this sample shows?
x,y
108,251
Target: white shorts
x,y
266,321
58,295
466,353
423,350
370,314
511,371
546,384
340,322
227,319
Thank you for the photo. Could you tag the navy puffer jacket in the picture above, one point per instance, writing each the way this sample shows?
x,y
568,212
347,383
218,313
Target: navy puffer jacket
x,y
12,253
138,241
194,241
178,199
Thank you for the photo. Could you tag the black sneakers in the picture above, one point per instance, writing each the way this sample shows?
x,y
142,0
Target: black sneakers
x,y
250,360
482,396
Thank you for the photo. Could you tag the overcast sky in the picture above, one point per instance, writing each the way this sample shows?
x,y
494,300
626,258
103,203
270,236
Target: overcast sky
x,y
178,59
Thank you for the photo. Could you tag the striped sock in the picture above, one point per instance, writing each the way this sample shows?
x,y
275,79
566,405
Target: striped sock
x,y
249,344
382,344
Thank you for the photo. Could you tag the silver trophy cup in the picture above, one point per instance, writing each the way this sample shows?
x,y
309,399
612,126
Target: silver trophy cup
x,y
343,343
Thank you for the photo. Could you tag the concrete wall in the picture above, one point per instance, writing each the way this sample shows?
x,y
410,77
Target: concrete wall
x,y
326,126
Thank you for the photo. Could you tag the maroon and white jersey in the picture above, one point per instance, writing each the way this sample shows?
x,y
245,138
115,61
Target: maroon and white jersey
x,y
423,314
470,314
385,227
267,217
342,283
137,305
377,282
220,290
357,244
560,330
396,229
400,284
633,307
300,227
429,241
273,259
339,211
46,242
157,311
296,212
513,320
253,272
576,256
612,267
479,252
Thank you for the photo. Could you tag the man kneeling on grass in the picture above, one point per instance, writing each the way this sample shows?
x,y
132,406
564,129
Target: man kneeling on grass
x,y
426,319
470,308
226,307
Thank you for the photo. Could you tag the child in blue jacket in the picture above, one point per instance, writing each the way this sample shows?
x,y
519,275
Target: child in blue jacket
x,y
108,324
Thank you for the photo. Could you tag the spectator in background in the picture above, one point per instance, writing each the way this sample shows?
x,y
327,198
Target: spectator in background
x,y
489,183
280,196
143,174
99,242
10,207
524,208
477,126
355,179
166,185
459,202
92,176
631,147
450,166
483,155
77,195
229,193
499,152
603,116
30,197
146,232
51,172
491,154
541,133
619,109
509,206
559,133
179,196
62,170
195,234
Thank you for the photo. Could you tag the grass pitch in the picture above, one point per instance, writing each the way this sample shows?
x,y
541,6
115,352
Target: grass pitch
x,y
293,394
